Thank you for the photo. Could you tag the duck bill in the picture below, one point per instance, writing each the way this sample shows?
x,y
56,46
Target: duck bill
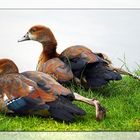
x,y
24,38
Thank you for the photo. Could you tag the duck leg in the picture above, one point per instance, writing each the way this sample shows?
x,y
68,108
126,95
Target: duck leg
x,y
100,111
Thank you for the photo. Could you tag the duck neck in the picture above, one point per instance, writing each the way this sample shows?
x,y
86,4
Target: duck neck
x,y
49,52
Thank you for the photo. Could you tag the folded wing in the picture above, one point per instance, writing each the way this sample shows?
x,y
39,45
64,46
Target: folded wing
x,y
22,95
91,69
58,70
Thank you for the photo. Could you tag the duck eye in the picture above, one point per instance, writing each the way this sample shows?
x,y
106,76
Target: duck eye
x,y
33,30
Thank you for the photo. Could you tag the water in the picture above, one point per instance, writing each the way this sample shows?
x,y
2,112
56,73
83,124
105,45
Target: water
x,y
114,32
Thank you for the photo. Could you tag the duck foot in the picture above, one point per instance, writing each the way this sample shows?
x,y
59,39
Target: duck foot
x,y
100,110
100,113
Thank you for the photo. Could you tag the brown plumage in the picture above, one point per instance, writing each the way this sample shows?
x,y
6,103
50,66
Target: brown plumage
x,y
34,93
83,65
57,68
79,51
37,93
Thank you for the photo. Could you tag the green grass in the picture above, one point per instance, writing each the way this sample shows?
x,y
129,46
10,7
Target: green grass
x,y
121,99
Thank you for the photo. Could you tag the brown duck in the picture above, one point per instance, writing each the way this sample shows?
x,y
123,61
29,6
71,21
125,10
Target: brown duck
x,y
78,62
37,93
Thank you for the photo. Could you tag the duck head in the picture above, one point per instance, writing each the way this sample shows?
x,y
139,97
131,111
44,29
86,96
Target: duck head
x,y
7,66
39,33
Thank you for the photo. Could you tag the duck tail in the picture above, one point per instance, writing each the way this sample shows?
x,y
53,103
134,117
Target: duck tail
x,y
98,74
124,72
63,109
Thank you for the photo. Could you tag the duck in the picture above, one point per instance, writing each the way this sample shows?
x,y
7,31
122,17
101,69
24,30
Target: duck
x,y
37,93
48,61
76,62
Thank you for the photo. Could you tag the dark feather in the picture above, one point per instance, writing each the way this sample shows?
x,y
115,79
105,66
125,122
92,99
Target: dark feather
x,y
97,75
43,86
63,109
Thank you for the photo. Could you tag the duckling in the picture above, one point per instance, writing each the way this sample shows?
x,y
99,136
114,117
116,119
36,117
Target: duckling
x,y
37,93
78,62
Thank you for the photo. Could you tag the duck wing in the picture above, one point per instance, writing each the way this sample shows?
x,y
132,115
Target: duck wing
x,y
58,70
91,69
21,95
47,83
62,108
